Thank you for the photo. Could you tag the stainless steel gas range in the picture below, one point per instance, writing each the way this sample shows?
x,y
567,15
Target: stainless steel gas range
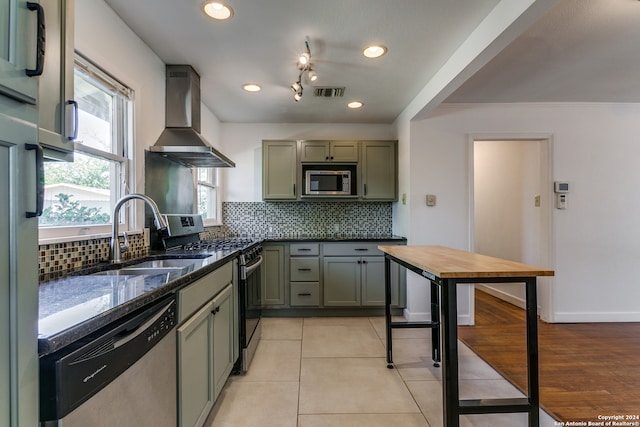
x,y
184,234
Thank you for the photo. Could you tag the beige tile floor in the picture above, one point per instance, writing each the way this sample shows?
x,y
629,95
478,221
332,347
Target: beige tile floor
x,y
321,372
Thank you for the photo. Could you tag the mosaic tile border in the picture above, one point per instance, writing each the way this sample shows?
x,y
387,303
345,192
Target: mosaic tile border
x,y
58,259
310,218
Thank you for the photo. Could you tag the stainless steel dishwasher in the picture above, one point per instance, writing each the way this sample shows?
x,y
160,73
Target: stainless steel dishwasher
x,y
123,375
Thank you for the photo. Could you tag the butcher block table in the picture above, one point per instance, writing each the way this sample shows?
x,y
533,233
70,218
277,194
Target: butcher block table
x,y
445,268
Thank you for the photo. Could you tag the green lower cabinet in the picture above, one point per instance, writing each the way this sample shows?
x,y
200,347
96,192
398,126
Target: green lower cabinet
x,y
372,285
205,357
196,390
223,338
305,294
358,282
273,275
341,281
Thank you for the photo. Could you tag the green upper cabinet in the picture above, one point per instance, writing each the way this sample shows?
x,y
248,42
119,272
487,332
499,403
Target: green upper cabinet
x,y
376,161
58,111
18,51
378,170
328,151
279,166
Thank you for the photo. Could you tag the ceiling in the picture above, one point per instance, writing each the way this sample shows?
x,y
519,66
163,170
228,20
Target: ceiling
x,y
565,56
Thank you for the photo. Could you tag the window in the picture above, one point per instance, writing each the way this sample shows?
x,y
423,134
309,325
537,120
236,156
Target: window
x,y
79,196
207,192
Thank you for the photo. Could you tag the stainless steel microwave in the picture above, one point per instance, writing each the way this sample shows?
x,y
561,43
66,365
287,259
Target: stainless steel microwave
x,y
329,182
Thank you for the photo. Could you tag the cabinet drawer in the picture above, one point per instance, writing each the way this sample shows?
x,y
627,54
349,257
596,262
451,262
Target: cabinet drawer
x,y
305,293
304,269
193,296
304,249
352,249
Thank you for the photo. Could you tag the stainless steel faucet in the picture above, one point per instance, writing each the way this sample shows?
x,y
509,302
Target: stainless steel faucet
x,y
115,250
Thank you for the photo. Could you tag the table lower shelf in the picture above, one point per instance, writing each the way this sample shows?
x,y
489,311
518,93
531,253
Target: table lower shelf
x,y
494,406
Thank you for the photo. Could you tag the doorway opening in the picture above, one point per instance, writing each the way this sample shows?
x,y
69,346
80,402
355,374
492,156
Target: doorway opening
x,y
511,209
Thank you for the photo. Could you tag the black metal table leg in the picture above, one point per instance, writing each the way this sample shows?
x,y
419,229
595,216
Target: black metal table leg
x,y
449,325
387,310
532,352
435,319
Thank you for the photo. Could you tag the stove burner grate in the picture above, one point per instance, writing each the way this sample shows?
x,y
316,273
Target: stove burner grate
x,y
219,244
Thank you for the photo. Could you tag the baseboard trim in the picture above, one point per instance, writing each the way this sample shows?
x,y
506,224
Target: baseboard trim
x,y
567,316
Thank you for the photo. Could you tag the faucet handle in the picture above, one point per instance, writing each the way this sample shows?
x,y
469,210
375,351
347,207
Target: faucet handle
x,y
124,246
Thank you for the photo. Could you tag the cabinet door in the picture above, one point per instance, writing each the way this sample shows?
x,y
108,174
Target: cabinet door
x,y
56,82
18,274
273,275
329,151
222,337
373,281
378,170
18,34
314,151
341,281
196,390
343,151
279,166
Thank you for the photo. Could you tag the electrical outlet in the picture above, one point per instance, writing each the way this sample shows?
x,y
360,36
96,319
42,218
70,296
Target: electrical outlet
x,y
431,199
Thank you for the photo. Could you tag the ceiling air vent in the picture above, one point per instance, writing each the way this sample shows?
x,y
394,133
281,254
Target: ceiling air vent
x,y
328,92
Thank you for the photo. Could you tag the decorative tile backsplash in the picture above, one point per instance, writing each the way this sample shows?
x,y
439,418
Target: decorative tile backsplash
x,y
311,218
240,219
58,259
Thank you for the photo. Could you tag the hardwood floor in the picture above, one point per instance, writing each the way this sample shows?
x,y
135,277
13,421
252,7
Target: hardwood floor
x,y
586,369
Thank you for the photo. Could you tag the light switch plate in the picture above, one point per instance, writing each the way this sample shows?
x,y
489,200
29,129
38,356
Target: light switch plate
x,y
431,199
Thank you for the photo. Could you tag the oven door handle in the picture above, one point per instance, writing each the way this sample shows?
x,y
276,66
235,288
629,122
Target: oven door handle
x,y
251,268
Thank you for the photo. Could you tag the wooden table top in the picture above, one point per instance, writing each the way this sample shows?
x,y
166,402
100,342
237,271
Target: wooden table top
x,y
448,263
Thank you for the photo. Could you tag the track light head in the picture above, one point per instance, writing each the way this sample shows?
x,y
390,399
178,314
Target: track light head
x,y
304,65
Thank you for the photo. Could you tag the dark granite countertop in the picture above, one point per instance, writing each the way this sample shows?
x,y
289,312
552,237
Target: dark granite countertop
x,y
77,305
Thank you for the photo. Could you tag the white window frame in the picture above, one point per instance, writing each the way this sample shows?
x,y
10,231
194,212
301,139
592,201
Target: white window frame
x,y
213,183
124,146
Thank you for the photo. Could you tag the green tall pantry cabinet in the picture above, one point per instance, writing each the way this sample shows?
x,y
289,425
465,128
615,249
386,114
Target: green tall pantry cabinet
x,y
18,230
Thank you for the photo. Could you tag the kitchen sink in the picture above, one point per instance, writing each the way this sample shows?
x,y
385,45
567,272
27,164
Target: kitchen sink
x,y
132,271
165,263
175,266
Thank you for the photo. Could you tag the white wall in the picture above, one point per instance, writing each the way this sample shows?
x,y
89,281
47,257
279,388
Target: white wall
x,y
242,143
596,241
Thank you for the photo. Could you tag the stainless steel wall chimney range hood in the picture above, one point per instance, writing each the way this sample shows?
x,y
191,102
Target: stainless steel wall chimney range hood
x,y
181,140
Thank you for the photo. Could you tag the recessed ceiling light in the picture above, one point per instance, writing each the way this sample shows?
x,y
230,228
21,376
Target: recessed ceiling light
x,y
374,51
217,10
251,87
355,104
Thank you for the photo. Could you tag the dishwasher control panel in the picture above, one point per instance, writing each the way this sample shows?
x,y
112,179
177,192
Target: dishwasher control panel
x,y
163,324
